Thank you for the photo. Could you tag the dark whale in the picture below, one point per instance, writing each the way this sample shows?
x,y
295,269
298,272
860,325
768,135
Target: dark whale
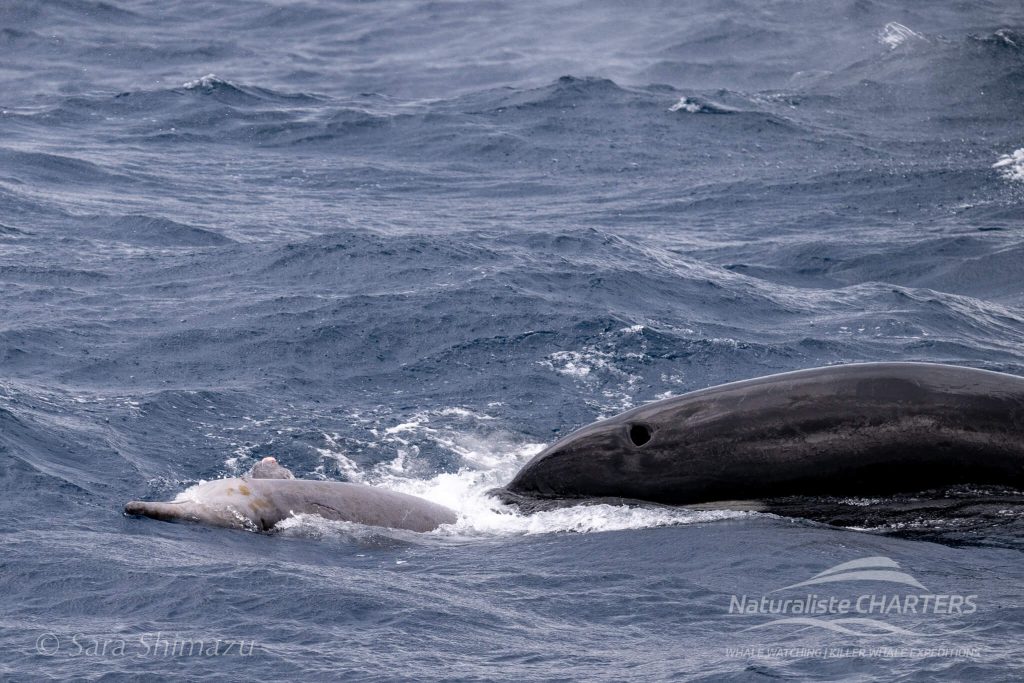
x,y
269,493
862,429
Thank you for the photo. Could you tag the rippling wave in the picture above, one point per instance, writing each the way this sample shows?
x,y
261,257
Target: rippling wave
x,y
409,244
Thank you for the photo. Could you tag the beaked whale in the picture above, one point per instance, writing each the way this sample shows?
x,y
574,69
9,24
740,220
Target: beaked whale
x,y
859,429
270,493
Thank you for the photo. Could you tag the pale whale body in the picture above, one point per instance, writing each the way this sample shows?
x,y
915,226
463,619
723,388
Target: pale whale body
x,y
269,494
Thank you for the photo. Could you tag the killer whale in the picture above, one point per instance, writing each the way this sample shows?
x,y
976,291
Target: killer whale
x,y
857,429
270,493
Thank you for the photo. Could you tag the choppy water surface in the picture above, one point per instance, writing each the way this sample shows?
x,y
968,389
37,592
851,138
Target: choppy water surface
x,y
408,244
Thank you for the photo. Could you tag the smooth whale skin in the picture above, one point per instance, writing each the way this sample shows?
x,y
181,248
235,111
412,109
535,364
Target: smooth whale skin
x,y
862,429
258,504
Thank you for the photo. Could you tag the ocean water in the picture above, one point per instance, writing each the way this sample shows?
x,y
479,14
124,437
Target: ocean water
x,y
410,243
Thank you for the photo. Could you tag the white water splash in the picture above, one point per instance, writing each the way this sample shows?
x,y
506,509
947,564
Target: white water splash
x,y
487,463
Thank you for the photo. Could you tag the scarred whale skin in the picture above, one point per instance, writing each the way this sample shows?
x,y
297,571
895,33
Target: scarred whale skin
x,y
860,429
258,503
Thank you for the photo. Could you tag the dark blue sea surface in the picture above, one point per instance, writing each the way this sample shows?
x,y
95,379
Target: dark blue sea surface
x,y
409,243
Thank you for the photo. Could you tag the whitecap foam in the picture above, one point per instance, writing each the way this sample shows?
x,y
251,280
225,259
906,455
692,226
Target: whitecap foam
x,y
687,105
599,364
895,34
207,81
1011,166
334,454
573,363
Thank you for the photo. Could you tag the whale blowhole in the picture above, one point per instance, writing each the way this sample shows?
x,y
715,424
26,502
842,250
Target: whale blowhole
x,y
639,434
